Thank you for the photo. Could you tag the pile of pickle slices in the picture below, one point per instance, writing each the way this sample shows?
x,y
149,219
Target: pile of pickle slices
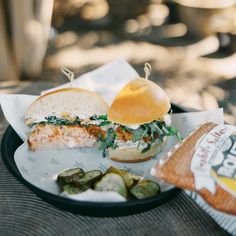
x,y
129,185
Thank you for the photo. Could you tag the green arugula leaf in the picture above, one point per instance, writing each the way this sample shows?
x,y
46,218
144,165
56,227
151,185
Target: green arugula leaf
x,y
155,128
102,117
108,141
125,128
143,135
110,137
137,134
53,120
165,130
104,123
102,145
146,148
173,132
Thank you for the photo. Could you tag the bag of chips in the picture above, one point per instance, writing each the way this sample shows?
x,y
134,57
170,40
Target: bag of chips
x,y
204,162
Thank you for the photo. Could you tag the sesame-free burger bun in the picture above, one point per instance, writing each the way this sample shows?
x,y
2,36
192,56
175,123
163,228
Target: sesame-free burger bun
x,y
132,155
72,101
140,101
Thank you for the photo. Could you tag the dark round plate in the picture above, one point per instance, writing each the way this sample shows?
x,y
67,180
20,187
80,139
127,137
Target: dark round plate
x,y
11,142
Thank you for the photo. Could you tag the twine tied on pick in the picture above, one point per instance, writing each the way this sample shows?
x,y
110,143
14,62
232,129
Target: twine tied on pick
x,y
69,74
147,70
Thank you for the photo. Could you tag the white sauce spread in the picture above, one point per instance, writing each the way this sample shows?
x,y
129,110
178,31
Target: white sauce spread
x,y
166,119
130,144
133,126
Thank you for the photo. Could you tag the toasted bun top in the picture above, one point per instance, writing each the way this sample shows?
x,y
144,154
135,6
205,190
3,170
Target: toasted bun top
x,y
140,101
68,101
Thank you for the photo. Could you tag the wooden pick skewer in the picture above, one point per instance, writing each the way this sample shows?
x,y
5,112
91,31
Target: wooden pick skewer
x,y
147,70
69,74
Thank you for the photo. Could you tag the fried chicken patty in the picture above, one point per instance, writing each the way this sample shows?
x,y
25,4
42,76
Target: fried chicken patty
x,y
46,136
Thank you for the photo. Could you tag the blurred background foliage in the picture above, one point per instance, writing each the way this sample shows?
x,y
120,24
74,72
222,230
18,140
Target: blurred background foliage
x,y
191,45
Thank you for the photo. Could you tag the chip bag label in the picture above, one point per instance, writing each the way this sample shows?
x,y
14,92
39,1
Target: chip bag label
x,y
214,160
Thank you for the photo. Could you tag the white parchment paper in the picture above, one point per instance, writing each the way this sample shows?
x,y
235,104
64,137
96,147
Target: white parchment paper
x,y
41,168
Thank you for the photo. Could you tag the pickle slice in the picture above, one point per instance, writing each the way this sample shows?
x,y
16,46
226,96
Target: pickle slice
x,y
112,182
69,176
88,178
145,188
129,178
72,189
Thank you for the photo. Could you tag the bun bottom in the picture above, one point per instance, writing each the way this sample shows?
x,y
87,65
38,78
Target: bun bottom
x,y
133,155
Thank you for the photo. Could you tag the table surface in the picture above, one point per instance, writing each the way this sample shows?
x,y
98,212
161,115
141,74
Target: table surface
x,y
22,212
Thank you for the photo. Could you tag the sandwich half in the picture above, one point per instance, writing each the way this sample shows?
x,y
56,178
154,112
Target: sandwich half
x,y
66,118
